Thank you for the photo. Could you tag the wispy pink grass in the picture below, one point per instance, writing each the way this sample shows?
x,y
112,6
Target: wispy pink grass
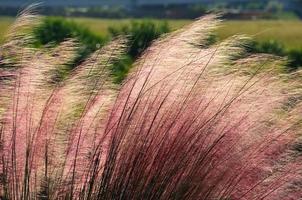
x,y
189,122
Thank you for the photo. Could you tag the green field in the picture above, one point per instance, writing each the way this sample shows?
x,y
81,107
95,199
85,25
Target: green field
x,y
4,24
287,32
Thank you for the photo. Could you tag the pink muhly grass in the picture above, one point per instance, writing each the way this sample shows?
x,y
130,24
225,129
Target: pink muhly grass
x,y
189,122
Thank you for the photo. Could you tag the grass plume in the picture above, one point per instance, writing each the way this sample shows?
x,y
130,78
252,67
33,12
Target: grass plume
x,y
191,121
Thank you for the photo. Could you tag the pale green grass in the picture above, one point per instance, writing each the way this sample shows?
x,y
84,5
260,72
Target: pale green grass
x,y
4,25
287,32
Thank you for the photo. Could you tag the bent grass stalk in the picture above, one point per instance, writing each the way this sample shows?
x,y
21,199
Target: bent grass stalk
x,y
189,122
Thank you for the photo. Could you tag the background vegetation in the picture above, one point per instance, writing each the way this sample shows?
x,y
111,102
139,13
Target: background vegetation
x,y
286,31
180,9
278,37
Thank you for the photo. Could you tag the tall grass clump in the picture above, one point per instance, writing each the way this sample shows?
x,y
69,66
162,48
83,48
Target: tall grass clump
x,y
189,122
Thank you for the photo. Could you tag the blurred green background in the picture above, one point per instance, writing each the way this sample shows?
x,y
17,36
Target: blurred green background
x,y
274,25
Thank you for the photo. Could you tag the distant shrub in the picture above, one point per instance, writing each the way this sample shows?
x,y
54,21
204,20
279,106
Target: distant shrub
x,y
270,47
141,34
276,48
55,30
295,58
121,68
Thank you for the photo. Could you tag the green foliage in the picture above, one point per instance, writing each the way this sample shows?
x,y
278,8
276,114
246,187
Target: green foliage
x,y
121,68
270,47
55,30
141,34
276,48
295,58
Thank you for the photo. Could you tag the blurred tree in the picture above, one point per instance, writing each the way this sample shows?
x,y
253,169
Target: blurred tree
x,y
274,6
